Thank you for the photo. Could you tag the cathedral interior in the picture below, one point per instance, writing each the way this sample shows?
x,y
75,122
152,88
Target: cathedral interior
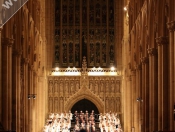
x,y
102,55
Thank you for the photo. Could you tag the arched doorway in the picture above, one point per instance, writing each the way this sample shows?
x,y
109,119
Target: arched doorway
x,y
84,105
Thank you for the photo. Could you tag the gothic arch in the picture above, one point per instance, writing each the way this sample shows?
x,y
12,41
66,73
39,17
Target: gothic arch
x,y
85,94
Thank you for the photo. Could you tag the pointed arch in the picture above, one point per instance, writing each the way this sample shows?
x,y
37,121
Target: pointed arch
x,y
85,94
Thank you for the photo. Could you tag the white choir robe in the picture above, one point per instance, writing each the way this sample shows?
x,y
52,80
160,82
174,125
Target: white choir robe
x,y
117,122
70,116
51,129
51,115
46,128
66,130
57,128
119,130
102,129
106,128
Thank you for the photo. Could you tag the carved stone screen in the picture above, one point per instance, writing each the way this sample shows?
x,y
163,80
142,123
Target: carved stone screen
x,y
65,91
84,28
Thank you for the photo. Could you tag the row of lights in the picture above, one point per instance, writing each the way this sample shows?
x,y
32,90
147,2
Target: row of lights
x,y
112,68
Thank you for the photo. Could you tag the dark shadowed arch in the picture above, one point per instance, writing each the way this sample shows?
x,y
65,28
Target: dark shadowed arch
x,y
84,105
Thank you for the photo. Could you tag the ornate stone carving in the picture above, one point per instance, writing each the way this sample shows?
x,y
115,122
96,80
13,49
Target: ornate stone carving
x,y
26,61
118,86
152,51
84,75
61,89
118,104
50,86
144,60
171,26
101,90
17,53
112,87
161,40
7,41
72,88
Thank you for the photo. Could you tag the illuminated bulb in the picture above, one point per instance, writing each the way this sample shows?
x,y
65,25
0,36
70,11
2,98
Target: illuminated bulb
x,y
125,8
112,68
56,68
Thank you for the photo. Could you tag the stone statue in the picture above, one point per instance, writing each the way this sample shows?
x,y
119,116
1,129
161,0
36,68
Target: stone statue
x,y
72,88
118,87
56,104
112,87
50,87
96,88
61,89
77,86
118,104
50,104
55,87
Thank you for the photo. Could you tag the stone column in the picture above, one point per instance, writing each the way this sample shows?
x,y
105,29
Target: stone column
x,y
7,83
142,96
24,94
171,27
34,110
137,116
134,102
127,105
30,101
162,83
145,93
153,101
16,89
0,76
11,41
